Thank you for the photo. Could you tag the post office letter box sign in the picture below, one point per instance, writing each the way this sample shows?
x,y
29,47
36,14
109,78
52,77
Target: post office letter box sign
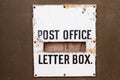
x,y
64,23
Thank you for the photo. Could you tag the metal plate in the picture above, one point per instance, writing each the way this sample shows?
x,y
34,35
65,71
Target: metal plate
x,y
64,23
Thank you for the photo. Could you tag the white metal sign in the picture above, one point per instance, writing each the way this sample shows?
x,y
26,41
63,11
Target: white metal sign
x,y
64,23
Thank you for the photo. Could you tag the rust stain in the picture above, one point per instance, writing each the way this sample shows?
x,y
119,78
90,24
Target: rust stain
x,y
78,5
37,45
92,51
69,6
39,41
94,40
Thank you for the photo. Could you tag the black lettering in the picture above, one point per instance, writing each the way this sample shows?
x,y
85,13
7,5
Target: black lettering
x,y
79,34
65,34
50,59
87,59
39,33
88,34
66,59
56,33
71,34
45,34
81,59
83,34
55,59
74,59
51,34
45,59
75,34
60,59
40,60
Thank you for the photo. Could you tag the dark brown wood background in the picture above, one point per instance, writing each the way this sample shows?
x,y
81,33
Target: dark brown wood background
x,y
16,52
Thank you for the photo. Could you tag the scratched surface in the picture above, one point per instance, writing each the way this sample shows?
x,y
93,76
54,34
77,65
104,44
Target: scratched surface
x,y
16,55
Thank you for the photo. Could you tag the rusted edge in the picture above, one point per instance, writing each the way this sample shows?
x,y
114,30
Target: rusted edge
x,y
78,5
